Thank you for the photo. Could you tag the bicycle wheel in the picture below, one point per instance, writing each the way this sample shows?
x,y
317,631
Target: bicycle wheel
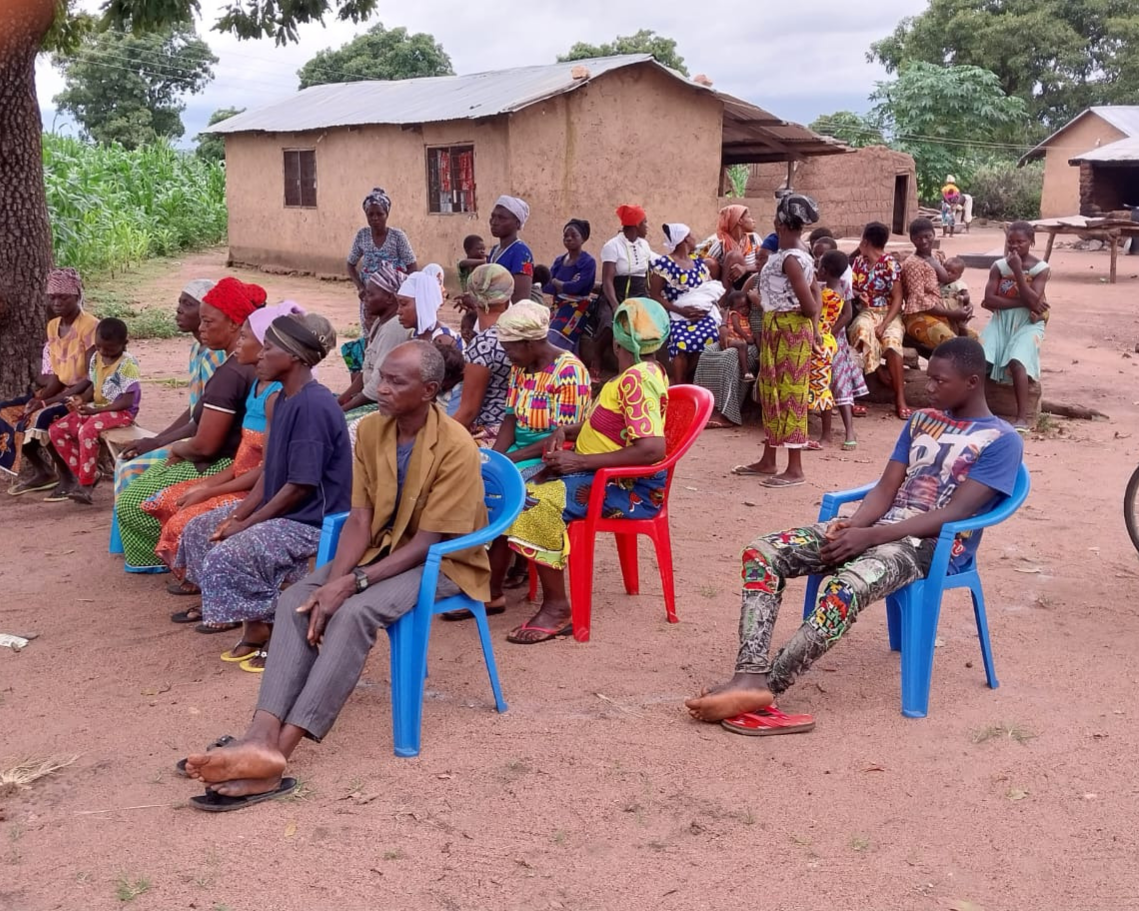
x,y
1129,504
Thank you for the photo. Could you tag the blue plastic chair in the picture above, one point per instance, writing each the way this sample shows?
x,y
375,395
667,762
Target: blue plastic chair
x,y
912,612
505,495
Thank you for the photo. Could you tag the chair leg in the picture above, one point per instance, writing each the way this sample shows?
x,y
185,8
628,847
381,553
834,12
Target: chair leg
x,y
983,633
627,557
894,624
116,543
919,630
810,599
488,654
662,542
408,637
581,578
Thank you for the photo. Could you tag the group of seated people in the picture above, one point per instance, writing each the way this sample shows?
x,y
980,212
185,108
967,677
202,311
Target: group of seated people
x,y
231,496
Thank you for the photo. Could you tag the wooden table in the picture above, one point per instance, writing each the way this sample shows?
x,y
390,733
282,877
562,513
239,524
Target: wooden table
x,y
1109,230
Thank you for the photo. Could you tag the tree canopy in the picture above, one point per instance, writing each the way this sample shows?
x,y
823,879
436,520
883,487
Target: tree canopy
x,y
846,126
1059,56
379,53
127,88
949,118
211,146
645,41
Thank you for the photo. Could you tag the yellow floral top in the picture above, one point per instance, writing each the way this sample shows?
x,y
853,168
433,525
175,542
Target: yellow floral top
x,y
629,407
68,353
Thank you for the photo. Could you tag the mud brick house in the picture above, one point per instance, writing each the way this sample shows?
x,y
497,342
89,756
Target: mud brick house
x,y
573,139
1091,164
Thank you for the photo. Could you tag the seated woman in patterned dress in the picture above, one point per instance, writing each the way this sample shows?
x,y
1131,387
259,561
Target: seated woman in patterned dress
x,y
672,276
624,427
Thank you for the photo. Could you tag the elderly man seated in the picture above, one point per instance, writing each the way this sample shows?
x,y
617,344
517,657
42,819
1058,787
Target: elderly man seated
x,y
415,483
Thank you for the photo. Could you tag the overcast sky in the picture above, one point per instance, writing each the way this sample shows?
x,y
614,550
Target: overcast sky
x,y
798,60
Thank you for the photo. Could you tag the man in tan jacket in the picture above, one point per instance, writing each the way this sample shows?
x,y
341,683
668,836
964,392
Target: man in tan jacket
x,y
416,481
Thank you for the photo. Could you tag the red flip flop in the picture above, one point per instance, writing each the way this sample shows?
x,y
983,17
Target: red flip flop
x,y
769,721
548,634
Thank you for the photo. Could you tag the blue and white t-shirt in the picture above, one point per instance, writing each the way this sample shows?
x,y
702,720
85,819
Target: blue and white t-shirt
x,y
940,452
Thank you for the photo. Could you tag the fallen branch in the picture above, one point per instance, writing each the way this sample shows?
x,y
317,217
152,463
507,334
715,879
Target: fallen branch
x,y
141,806
616,704
1079,412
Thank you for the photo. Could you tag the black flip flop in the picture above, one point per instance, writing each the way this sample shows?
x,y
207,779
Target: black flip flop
x,y
180,765
464,614
175,588
213,802
183,616
202,628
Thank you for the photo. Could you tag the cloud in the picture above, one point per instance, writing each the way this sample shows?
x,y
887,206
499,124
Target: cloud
x,y
796,60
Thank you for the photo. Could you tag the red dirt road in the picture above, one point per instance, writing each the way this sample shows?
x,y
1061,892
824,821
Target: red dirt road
x,y
596,791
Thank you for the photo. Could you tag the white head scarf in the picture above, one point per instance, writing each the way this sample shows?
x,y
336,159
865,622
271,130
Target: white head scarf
x,y
516,207
675,234
436,272
198,288
424,289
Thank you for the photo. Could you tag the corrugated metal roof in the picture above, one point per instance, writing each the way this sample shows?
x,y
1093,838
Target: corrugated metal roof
x,y
1125,150
750,132
427,100
1124,117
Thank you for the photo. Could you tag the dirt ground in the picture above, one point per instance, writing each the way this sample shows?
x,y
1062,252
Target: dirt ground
x,y
595,790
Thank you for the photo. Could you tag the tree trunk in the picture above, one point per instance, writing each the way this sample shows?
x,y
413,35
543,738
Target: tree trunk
x,y
25,235
1000,396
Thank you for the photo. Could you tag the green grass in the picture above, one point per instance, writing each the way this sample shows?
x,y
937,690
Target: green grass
x,y
128,891
142,322
1003,731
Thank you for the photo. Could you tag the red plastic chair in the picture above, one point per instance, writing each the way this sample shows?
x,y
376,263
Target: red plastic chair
x,y
689,408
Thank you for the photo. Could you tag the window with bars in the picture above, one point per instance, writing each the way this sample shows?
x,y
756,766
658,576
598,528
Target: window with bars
x,y
300,178
451,180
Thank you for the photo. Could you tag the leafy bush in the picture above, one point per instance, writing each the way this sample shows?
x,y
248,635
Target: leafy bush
x,y
1004,192
110,208
142,322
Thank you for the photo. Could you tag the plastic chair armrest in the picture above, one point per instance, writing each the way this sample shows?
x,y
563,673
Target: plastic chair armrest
x,y
832,501
477,538
330,537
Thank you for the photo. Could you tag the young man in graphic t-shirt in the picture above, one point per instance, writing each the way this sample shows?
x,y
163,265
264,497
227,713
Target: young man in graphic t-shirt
x,y
952,461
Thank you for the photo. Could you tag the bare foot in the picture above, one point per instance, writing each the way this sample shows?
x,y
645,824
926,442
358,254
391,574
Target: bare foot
x,y
743,693
242,759
243,787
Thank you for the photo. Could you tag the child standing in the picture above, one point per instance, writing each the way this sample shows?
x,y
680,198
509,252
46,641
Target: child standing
x,y
474,248
846,380
111,400
735,331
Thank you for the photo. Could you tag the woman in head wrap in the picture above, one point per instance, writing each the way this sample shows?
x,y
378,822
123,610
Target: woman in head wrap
x,y
507,218
625,427
486,377
216,419
241,557
419,300
24,421
572,278
673,276
175,506
790,299
147,452
381,306
625,262
375,244
734,247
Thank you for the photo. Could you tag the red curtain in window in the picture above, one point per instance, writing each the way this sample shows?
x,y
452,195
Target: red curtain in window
x,y
466,180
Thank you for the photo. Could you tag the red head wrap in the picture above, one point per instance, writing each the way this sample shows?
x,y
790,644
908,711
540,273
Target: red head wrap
x,y
235,298
630,216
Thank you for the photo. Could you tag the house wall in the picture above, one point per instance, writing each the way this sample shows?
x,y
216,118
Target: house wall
x,y
632,136
850,189
1061,193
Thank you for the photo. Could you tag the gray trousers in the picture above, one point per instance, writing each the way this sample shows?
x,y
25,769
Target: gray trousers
x,y
307,686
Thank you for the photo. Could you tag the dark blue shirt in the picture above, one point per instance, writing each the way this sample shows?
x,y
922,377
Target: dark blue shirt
x,y
309,445
578,278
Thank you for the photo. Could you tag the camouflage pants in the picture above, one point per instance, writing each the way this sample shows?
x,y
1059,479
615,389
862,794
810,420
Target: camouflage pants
x,y
772,559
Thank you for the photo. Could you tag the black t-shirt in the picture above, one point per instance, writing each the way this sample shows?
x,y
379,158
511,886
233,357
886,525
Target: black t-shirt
x,y
226,391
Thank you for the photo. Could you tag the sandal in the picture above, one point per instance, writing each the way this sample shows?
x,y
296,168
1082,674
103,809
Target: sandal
x,y
748,471
859,411
493,609
208,630
850,445
190,615
61,494
251,664
768,721
813,446
230,658
22,487
548,634
180,765
904,414
213,802
82,496
179,588
783,482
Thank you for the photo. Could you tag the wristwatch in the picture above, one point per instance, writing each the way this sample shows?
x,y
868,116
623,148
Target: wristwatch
x,y
361,579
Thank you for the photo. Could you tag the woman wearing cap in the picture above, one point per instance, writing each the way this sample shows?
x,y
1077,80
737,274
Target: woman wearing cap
x,y
241,557
146,453
216,417
25,421
673,276
375,244
790,300
572,277
507,219
624,427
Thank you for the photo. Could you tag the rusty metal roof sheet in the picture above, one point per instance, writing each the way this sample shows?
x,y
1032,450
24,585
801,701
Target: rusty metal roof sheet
x,y
749,131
